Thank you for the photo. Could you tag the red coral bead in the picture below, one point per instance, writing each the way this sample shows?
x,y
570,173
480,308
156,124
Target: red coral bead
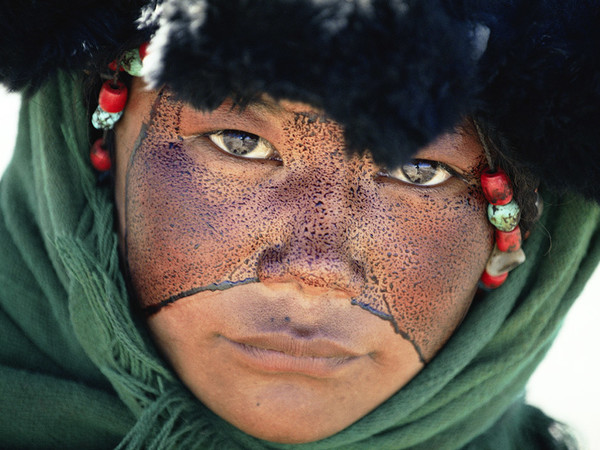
x,y
113,96
509,241
492,282
113,66
496,187
143,50
100,157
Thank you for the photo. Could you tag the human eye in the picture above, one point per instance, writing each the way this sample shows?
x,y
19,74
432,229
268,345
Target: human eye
x,y
243,144
421,172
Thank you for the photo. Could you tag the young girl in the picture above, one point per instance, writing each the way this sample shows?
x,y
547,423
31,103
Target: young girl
x,y
296,223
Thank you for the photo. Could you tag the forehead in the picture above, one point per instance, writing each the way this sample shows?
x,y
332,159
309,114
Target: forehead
x,y
263,112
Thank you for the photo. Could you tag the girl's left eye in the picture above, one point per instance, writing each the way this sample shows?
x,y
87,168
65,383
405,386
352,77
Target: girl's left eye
x,y
421,172
246,145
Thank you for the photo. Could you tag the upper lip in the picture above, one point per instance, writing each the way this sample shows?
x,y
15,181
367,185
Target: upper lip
x,y
315,347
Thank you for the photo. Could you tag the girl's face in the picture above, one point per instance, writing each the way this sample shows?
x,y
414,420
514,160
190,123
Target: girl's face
x,y
293,288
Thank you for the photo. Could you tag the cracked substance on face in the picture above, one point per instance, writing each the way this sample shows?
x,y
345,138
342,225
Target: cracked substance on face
x,y
258,227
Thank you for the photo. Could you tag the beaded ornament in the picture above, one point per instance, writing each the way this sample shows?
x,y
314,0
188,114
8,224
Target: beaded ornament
x,y
504,213
112,101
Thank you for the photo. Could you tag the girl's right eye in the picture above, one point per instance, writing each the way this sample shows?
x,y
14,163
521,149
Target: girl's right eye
x,y
246,145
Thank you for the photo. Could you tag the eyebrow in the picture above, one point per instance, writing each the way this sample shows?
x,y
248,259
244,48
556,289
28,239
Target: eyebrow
x,y
258,104
271,106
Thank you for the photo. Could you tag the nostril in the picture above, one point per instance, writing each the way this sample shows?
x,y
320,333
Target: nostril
x,y
270,264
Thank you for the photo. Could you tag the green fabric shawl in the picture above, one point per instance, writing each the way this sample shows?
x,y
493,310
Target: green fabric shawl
x,y
77,369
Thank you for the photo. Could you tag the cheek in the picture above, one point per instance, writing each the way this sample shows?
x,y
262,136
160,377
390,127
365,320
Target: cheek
x,y
187,226
427,254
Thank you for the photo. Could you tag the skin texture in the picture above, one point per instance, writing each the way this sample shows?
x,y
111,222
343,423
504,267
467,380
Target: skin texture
x,y
294,294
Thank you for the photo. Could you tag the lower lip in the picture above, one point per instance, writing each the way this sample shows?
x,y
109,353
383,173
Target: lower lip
x,y
273,361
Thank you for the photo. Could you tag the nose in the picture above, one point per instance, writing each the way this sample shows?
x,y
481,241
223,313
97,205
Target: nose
x,y
316,253
313,261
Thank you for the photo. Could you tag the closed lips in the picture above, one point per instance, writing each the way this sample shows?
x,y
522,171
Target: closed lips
x,y
285,353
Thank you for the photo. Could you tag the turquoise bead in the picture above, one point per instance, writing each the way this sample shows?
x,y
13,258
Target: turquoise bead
x,y
103,120
504,217
132,63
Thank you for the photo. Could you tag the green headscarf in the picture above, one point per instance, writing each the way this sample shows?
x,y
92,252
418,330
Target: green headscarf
x,y
77,368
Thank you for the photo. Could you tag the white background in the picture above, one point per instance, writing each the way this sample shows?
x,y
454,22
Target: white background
x,y
566,385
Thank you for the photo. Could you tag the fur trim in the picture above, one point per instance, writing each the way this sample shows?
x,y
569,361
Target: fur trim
x,y
38,38
542,78
396,73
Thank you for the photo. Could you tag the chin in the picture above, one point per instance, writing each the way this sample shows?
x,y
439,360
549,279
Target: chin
x,y
288,413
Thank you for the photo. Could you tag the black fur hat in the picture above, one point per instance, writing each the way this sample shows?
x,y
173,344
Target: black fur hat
x,y
396,73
